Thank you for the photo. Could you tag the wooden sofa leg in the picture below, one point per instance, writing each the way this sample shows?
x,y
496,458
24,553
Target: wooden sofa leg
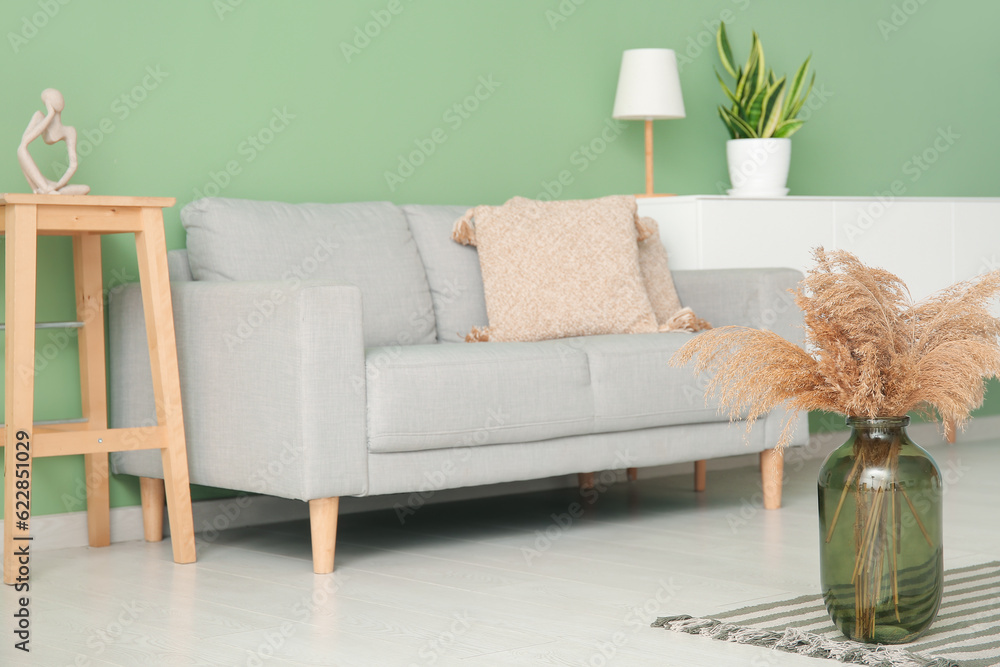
x,y
772,470
632,473
323,527
700,468
152,494
585,480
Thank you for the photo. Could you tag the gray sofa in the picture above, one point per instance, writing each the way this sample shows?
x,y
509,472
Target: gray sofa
x,y
321,355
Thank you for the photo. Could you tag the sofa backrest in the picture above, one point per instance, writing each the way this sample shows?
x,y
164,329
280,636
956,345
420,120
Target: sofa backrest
x,y
178,266
365,244
453,274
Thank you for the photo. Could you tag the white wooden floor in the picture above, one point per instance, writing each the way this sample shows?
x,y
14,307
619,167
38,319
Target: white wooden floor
x,y
484,582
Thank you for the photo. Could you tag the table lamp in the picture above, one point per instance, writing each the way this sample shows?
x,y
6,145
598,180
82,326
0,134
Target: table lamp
x,y
649,88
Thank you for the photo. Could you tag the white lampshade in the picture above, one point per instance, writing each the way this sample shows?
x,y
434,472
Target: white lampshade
x,y
649,86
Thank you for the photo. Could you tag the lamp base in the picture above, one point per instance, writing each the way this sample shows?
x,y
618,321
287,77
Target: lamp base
x,y
648,194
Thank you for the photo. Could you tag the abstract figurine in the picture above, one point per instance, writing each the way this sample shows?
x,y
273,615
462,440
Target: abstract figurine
x,y
50,128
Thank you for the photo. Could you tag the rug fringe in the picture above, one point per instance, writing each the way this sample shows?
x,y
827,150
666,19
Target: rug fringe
x,y
793,640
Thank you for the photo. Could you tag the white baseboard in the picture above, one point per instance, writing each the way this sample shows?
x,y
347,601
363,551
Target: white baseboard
x,y
69,529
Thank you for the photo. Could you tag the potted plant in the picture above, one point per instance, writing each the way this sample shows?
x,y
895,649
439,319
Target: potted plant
x,y
873,356
762,116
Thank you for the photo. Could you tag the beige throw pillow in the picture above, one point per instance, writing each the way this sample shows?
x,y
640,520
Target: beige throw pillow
x,y
559,269
659,282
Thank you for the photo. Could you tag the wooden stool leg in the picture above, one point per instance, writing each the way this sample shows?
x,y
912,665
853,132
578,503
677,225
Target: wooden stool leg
x,y
700,470
632,474
89,281
20,227
152,493
323,527
98,474
585,480
772,466
151,249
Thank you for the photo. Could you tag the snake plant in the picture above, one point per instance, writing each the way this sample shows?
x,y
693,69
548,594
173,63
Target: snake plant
x,y
761,105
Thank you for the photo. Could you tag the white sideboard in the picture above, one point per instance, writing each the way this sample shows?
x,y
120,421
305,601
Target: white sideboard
x,y
929,242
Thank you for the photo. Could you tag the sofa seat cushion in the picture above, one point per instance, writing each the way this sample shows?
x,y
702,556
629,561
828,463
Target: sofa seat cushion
x,y
635,386
437,396
365,244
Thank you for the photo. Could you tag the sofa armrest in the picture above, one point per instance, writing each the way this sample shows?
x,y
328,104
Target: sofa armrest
x,y
757,298
272,382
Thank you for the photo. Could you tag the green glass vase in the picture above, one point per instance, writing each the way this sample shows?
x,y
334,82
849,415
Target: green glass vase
x,y
881,564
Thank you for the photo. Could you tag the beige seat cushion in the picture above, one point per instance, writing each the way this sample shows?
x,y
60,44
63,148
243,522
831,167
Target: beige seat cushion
x,y
559,269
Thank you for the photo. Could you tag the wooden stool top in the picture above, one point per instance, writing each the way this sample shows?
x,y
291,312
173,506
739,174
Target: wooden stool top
x,y
86,200
57,215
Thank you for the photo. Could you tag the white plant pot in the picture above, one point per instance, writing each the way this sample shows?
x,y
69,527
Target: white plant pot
x,y
758,167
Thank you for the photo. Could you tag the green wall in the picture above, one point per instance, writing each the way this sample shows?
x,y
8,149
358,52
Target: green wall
x,y
168,96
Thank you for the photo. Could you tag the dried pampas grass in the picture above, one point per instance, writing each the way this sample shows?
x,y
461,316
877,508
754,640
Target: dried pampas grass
x,y
870,351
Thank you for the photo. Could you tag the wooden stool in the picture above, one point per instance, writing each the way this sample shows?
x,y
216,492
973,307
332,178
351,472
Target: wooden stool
x,y
85,218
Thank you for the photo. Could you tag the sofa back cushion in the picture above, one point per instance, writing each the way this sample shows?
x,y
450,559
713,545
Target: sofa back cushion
x,y
178,266
453,272
364,244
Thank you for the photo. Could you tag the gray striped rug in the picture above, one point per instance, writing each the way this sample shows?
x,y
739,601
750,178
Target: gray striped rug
x,y
966,632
